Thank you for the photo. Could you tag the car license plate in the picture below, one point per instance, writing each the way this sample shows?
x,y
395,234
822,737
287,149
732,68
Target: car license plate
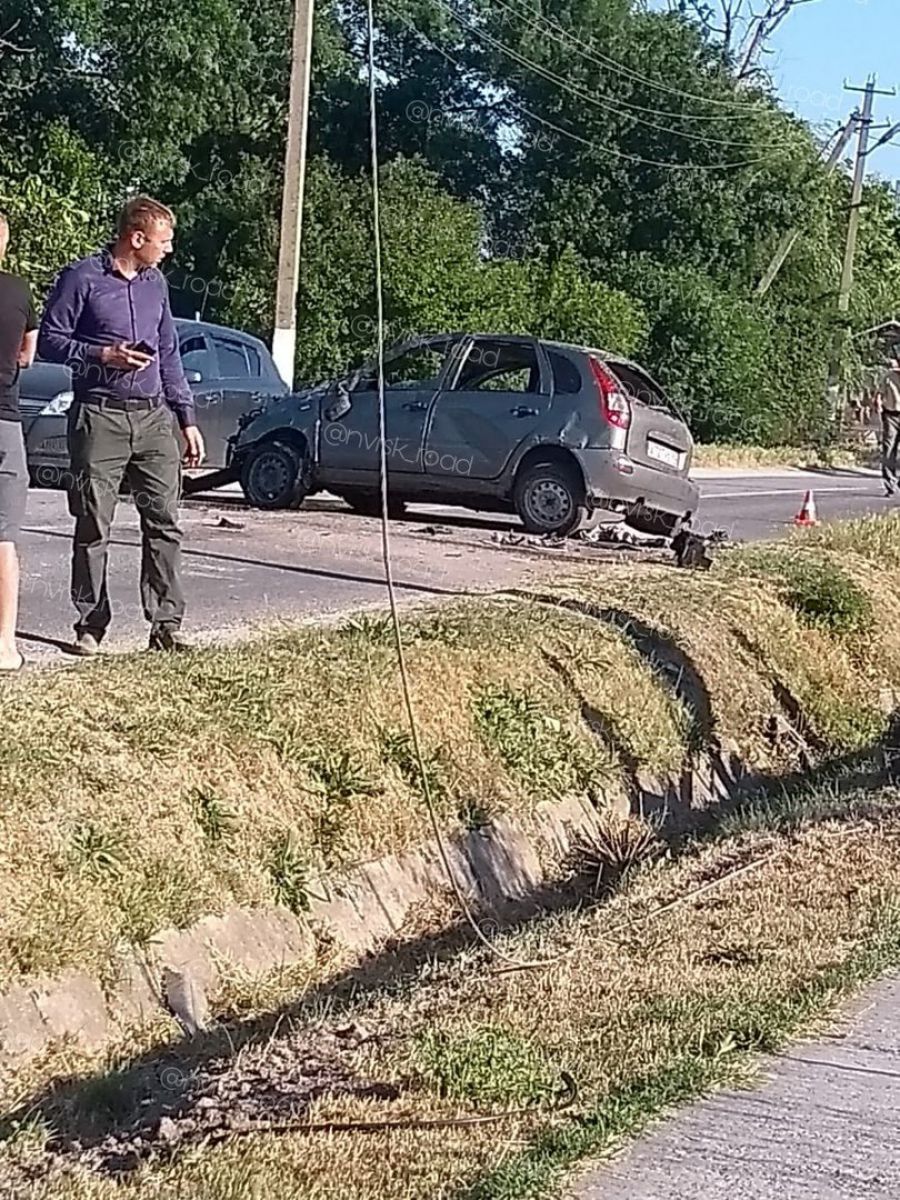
x,y
663,454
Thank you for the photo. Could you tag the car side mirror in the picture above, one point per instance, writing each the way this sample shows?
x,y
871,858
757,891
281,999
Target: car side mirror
x,y
340,404
193,376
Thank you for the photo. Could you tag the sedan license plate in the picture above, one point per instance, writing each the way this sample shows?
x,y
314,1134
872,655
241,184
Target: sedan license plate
x,y
664,454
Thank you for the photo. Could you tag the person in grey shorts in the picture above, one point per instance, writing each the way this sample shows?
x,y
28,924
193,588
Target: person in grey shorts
x,y
18,339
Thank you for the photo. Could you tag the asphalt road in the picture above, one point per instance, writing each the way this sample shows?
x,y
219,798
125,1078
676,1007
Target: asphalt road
x,y
247,569
823,1127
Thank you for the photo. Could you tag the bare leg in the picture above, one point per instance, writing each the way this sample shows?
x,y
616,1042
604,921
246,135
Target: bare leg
x,y
9,605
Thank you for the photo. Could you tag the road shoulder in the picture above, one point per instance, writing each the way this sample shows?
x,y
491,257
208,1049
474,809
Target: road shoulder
x,y
823,1127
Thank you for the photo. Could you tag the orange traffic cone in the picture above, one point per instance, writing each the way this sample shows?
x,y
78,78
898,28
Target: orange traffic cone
x,y
807,513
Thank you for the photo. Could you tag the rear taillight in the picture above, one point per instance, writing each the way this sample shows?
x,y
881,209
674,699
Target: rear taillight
x,y
614,406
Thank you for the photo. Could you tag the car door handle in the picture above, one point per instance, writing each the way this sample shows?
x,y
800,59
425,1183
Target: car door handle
x,y
415,406
522,410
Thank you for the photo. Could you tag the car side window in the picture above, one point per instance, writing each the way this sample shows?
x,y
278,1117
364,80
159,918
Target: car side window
x,y
500,367
254,361
232,356
415,368
196,356
566,380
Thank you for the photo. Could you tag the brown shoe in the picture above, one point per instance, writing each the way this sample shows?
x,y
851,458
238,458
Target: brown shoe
x,y
172,641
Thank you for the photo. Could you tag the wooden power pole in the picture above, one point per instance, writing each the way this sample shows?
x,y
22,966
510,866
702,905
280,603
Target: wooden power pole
x,y
284,338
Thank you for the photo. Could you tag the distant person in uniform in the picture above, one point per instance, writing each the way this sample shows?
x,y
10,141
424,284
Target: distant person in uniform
x,y
109,319
18,339
889,407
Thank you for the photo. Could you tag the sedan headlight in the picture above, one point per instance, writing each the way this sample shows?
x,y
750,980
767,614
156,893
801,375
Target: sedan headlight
x,y
59,405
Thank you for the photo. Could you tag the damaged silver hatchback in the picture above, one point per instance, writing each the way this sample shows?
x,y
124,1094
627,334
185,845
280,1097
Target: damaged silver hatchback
x,y
566,436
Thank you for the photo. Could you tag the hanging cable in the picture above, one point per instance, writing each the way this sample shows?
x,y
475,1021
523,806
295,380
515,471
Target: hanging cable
x,y
579,93
609,151
604,60
386,541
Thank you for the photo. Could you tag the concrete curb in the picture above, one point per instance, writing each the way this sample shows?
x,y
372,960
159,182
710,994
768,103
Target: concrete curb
x,y
361,910
504,862
751,473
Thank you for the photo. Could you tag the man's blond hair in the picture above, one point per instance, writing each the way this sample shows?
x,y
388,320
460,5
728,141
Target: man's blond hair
x,y
142,213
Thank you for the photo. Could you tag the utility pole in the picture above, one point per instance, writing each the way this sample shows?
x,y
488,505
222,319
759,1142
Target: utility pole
x,y
859,177
284,338
788,242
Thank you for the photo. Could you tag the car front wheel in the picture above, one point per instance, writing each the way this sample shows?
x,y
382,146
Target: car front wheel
x,y
549,498
272,476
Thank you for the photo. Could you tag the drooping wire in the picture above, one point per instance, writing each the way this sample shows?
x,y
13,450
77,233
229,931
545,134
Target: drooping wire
x,y
386,538
609,151
548,23
580,93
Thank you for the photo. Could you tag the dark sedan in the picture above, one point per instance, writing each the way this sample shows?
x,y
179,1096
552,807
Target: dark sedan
x,y
230,373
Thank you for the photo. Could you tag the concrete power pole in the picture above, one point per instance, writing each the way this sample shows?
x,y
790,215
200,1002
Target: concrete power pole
x,y
789,240
284,338
859,178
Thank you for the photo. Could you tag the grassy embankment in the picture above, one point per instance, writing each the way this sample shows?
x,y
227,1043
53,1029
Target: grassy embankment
x,y
142,792
646,1009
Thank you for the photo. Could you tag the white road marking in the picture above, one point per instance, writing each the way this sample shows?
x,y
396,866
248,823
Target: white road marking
x,y
787,492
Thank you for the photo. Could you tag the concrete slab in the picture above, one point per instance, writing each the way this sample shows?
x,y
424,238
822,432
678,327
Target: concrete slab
x,y
824,1126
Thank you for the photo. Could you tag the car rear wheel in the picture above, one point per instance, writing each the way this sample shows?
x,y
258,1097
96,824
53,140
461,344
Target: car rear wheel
x,y
549,498
369,504
272,476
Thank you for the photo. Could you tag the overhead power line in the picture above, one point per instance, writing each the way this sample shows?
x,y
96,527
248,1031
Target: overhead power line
x,y
609,151
557,33
580,93
630,73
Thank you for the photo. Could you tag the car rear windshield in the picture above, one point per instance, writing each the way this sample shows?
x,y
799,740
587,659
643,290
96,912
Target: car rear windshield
x,y
639,386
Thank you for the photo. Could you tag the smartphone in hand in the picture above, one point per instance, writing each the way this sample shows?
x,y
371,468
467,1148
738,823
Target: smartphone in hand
x,y
144,348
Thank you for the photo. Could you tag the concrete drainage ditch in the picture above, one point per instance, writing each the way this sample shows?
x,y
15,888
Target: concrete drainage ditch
x,y
362,909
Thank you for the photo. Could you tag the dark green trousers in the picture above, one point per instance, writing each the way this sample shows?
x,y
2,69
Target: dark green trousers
x,y
107,445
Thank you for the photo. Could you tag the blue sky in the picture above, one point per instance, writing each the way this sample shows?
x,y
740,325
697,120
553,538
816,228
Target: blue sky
x,y
824,42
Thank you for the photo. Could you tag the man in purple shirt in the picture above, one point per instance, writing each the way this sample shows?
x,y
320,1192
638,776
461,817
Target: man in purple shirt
x,y
108,318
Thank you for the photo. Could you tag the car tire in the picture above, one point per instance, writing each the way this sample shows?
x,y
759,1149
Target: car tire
x,y
549,498
45,477
368,504
272,476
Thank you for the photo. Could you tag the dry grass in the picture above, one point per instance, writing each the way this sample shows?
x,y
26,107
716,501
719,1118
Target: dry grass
x,y
643,1011
142,793
747,457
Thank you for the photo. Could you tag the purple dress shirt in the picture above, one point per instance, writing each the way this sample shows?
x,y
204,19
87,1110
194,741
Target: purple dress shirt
x,y
93,305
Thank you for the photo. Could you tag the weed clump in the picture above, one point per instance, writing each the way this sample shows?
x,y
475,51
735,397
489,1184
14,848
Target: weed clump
x,y
534,743
820,592
488,1065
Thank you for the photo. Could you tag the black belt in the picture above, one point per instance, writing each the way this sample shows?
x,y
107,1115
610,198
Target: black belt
x,y
123,403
